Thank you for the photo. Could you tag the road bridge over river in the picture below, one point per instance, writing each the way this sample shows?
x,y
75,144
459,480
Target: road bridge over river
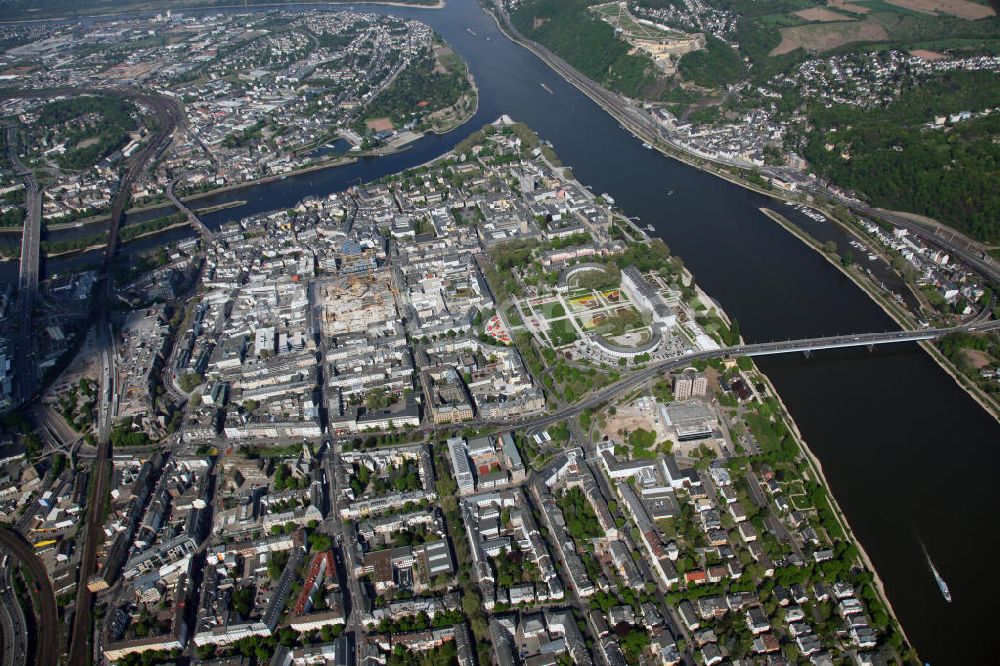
x,y
804,345
25,369
808,345
192,217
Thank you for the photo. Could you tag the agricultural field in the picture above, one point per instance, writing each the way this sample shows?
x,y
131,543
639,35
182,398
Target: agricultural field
x,y
777,34
820,37
961,8
821,14
851,7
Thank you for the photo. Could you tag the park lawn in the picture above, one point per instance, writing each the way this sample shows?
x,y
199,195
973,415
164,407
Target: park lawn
x,y
552,310
562,332
801,502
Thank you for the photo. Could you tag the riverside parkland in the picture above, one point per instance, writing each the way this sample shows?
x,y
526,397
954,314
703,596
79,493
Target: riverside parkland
x,y
802,345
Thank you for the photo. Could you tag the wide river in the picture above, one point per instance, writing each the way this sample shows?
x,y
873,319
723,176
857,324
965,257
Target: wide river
x,y
911,457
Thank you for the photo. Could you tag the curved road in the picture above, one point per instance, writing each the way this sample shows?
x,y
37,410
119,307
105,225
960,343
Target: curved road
x,y
48,621
14,646
596,398
169,114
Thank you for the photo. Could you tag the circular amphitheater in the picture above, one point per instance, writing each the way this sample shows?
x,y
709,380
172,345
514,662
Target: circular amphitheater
x,y
620,351
570,272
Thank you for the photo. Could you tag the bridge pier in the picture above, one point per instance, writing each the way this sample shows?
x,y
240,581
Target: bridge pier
x,y
807,353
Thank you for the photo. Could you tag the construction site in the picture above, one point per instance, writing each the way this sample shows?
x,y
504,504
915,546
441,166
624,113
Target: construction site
x,y
356,303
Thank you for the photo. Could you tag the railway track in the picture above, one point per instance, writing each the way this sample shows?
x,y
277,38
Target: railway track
x,y
47,653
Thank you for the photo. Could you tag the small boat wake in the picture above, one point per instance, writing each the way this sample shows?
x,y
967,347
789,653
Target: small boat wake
x,y
943,586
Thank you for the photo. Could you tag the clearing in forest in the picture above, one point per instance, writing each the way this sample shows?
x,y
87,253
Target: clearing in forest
x,y
818,37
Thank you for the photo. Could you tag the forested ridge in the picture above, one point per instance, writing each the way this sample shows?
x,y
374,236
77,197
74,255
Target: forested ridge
x,y
951,174
589,44
419,89
716,66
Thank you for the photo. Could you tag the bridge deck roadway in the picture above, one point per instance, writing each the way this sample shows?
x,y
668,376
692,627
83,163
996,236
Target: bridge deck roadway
x,y
636,379
836,342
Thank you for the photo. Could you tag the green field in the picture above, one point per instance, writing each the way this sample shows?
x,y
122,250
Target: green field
x,y
562,332
611,13
552,310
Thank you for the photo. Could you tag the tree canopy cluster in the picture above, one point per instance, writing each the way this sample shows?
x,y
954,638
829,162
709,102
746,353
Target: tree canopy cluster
x,y
419,90
587,43
715,66
950,174
581,521
92,126
123,435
